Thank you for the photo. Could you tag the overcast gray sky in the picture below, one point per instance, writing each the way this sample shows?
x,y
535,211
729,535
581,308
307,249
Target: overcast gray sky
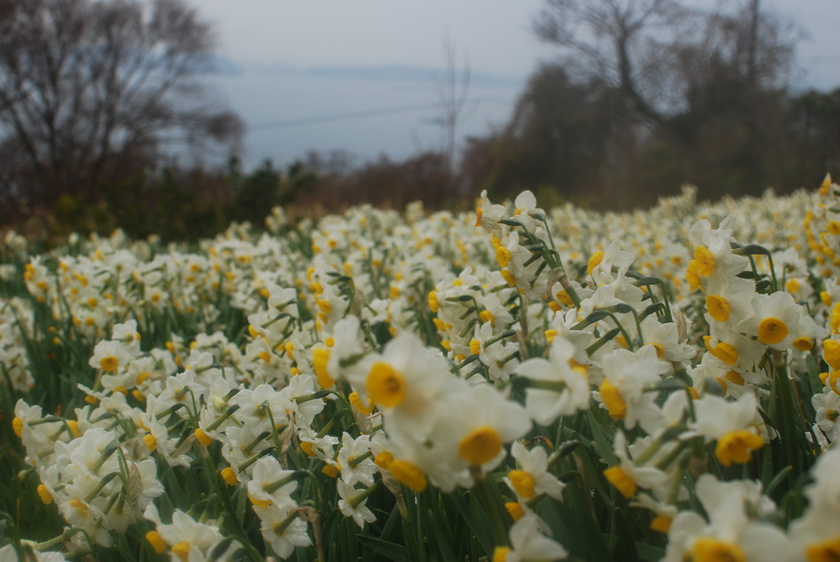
x,y
280,46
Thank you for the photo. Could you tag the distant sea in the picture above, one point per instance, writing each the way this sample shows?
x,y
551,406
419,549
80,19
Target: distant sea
x,y
365,111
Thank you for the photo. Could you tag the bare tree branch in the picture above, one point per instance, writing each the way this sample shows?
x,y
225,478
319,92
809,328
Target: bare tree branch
x,y
88,89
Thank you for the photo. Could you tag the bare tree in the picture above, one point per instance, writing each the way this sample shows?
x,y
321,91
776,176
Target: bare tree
x,y
90,89
452,90
661,55
616,40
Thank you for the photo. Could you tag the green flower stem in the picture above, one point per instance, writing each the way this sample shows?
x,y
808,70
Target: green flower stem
x,y
48,419
102,483
169,411
678,476
314,396
466,362
355,461
649,452
274,436
551,386
562,451
624,333
280,527
666,462
221,419
274,486
119,500
783,396
603,340
106,454
508,359
504,335
356,501
41,546
315,486
259,439
327,427
491,506
253,459
275,319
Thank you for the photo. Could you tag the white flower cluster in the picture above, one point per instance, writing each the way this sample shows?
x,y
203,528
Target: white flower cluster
x,y
444,352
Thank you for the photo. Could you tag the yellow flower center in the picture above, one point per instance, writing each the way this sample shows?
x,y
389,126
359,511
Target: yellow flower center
x,y
229,476
408,474
434,306
565,298
594,261
256,502
660,350
202,437
771,331
718,308
182,551
385,386
156,541
44,494
708,549
830,380
691,275
383,459
737,446
109,363
150,442
705,261
480,445
622,481
515,510
17,425
475,347
611,396
502,256
357,403
735,377
661,523
824,551
508,277
80,506
834,318
500,553
726,353
320,357
523,483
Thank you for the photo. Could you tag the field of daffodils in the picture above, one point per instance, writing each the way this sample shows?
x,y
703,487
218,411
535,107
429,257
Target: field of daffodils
x,y
509,384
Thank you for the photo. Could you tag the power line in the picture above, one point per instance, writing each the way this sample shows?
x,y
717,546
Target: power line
x,y
332,118
315,120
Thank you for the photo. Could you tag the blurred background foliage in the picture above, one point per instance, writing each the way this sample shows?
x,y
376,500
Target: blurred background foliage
x,y
643,97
